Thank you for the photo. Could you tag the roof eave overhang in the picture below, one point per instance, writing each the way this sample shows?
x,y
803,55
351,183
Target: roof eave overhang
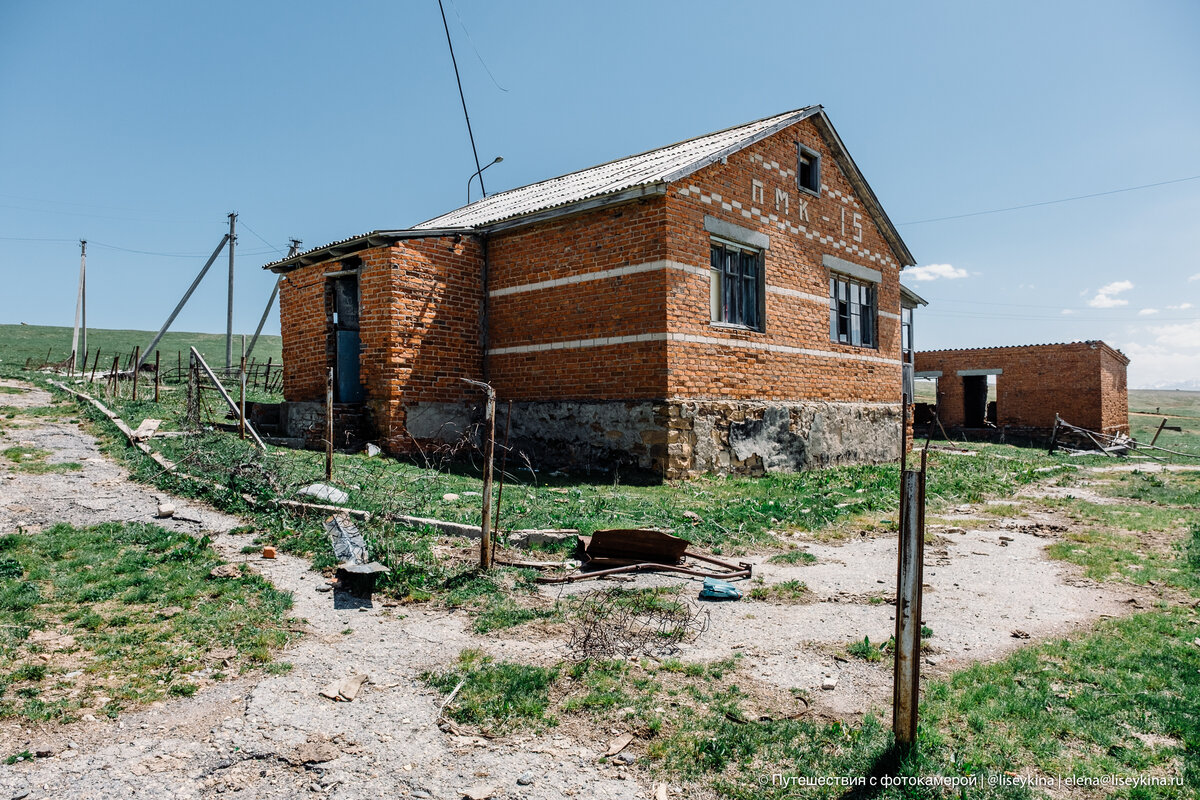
x,y
346,247
577,207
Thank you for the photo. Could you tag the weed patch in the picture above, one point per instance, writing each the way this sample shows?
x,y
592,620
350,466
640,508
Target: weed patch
x,y
89,599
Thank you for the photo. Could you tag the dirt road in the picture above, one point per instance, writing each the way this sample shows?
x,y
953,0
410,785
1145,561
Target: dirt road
x,y
276,737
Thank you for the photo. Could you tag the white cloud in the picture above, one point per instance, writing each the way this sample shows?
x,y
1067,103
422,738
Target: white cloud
x,y
1195,277
1180,307
1145,312
1161,365
935,271
1184,334
1105,296
1068,311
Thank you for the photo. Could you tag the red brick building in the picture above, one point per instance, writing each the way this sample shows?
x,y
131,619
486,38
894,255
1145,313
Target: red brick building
x,y
1082,382
730,303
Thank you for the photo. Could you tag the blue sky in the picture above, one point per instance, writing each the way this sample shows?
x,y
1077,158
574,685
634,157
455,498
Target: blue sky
x,y
139,126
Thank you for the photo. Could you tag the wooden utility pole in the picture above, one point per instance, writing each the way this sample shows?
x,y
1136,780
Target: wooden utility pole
x,y
229,307
329,426
79,342
489,452
906,677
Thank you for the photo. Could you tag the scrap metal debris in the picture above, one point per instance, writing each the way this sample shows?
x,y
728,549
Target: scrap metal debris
x,y
619,550
356,571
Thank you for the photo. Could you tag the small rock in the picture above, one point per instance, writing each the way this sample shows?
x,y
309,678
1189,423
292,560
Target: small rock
x,y
346,688
618,744
421,793
660,792
1020,634
693,516
625,758
526,779
450,497
324,587
479,792
830,682
165,510
372,450
226,571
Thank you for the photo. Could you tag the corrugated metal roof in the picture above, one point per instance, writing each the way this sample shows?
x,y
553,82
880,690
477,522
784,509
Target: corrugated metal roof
x,y
661,165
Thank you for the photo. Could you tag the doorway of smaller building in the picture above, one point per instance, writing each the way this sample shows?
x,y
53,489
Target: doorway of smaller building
x,y
975,400
346,341
979,400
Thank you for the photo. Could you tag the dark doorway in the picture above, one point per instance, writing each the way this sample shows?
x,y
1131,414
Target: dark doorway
x,y
346,342
975,400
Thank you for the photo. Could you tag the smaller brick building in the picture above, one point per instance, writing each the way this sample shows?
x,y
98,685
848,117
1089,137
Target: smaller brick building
x,y
1082,382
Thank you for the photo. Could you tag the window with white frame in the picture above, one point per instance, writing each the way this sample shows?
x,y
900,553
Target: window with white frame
x,y
808,169
852,311
736,294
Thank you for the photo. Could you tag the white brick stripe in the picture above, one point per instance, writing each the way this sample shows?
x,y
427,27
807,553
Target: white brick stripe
x,y
633,269
889,315
686,338
603,341
815,298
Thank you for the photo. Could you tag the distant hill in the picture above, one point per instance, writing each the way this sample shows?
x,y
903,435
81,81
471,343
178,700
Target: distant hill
x,y
20,342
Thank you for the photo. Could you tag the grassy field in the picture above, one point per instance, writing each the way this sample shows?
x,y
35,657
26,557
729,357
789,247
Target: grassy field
x,y
19,342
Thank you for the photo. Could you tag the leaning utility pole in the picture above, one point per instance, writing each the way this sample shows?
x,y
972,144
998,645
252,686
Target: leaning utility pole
x,y
229,313
80,306
295,248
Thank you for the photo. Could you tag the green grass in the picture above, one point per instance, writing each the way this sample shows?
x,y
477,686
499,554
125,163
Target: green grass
x,y
785,592
866,650
20,342
33,460
496,696
89,599
793,557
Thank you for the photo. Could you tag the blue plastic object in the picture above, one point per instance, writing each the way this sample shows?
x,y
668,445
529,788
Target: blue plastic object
x,y
719,590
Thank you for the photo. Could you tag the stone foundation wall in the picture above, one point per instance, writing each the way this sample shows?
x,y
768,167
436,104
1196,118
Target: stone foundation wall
x,y
680,439
751,438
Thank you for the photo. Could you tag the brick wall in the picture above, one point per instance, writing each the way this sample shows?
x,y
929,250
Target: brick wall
x,y
737,363
1083,382
419,328
567,283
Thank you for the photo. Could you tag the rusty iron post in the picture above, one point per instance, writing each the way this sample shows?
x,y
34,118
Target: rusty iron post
x,y
329,426
95,363
489,452
242,386
906,676
156,376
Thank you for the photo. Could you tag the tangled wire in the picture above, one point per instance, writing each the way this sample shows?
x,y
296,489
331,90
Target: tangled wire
x,y
618,623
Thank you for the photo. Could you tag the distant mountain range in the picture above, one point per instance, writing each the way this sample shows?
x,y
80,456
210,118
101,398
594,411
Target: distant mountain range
x,y
1166,386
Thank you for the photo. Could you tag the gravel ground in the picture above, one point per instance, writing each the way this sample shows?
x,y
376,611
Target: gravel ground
x,y
276,737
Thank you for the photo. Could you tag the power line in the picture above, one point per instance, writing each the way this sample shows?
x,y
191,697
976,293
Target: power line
x,y
473,47
1052,202
462,97
278,250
